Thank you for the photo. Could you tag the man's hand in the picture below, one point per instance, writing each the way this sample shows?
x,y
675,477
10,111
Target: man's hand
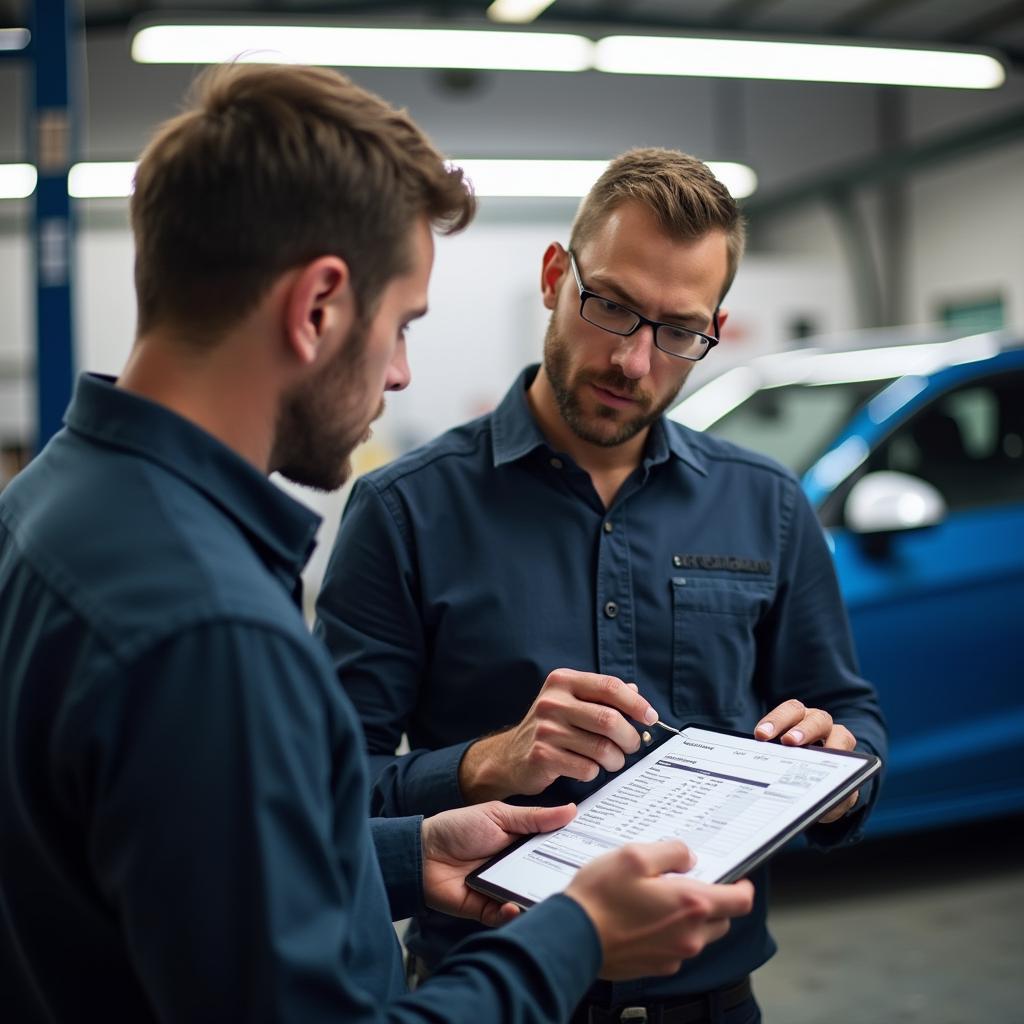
x,y
649,921
800,726
457,841
577,725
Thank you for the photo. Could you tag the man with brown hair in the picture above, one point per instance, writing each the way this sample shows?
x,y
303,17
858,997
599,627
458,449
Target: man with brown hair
x,y
183,795
576,526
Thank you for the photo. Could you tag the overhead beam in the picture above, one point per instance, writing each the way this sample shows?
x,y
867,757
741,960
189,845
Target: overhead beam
x,y
902,162
981,25
863,15
739,12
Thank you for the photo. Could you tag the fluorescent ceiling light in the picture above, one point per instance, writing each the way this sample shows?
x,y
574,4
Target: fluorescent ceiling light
x,y
14,38
548,178
802,62
739,179
101,180
17,181
85,180
518,11
571,178
517,178
362,47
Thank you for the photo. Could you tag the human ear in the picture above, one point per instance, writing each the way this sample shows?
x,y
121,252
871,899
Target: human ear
x,y
319,299
553,269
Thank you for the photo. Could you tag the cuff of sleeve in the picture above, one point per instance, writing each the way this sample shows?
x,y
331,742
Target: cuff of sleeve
x,y
429,780
400,856
850,828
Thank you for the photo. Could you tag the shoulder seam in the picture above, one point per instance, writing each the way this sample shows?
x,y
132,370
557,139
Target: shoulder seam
x,y
422,458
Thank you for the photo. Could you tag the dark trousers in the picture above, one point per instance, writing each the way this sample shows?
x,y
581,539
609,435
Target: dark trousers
x,y
746,1012
733,1004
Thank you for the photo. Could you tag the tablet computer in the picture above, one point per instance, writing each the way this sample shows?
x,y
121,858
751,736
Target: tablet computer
x,y
732,799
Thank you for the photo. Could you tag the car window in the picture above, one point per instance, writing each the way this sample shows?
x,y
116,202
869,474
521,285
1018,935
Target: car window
x,y
969,443
795,423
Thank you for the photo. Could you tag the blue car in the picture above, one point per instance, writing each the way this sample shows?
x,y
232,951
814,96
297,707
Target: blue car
x,y
913,456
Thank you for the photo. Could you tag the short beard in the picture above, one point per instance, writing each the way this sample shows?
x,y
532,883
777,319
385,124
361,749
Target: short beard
x,y
556,366
315,434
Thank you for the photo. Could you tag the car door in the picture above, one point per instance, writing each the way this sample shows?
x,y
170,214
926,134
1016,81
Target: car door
x,y
938,613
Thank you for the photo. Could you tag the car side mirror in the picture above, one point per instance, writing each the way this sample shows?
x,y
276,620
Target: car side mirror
x,y
890,502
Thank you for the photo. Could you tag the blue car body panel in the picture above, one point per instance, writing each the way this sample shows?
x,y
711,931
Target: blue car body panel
x,y
938,620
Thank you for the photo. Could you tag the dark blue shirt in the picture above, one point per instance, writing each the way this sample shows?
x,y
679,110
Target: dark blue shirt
x,y
184,830
468,570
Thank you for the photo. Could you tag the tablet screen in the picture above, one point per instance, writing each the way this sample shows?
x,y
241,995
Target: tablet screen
x,y
727,796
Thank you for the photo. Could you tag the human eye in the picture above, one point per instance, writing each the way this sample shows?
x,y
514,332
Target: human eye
x,y
675,333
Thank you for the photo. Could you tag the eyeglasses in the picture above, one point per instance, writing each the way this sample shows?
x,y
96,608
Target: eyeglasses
x,y
618,319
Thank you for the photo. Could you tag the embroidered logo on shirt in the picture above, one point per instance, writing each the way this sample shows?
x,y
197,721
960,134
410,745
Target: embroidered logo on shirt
x,y
730,563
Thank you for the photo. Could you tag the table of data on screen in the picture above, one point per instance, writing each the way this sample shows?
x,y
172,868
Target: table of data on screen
x,y
724,796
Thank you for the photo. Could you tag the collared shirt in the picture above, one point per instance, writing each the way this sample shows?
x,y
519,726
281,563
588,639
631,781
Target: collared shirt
x,y
184,830
466,571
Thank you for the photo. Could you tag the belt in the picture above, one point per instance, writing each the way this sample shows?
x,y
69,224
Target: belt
x,y
687,1011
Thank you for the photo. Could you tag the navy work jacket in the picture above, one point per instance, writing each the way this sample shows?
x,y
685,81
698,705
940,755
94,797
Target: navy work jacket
x,y
184,827
466,571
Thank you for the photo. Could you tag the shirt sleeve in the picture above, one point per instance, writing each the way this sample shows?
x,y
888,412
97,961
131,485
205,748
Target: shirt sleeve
x,y
369,618
400,856
805,650
244,889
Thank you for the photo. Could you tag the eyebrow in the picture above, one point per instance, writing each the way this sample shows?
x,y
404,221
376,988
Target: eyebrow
x,y
621,292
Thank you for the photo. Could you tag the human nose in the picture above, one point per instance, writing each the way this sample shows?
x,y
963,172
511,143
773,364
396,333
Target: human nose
x,y
399,375
632,355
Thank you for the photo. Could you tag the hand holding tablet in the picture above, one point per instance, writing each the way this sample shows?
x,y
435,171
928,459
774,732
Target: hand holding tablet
x,y
649,916
731,799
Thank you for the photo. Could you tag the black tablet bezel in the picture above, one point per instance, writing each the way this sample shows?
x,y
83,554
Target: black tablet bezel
x,y
872,764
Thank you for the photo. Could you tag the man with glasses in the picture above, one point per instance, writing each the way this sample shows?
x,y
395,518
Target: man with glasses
x,y
575,536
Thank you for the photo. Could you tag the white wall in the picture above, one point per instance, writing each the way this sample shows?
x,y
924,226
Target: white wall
x,y
486,320
967,234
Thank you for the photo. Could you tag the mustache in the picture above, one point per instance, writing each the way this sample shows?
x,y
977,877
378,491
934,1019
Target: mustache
x,y
619,382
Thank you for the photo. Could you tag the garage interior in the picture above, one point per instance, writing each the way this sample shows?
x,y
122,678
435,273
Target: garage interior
x,y
880,215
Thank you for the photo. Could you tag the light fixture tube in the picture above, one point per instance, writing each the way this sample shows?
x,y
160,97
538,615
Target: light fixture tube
x,y
519,12
513,178
801,62
110,180
568,179
14,38
363,47
572,178
17,181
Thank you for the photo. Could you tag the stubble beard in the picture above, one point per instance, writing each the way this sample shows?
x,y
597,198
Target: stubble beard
x,y
570,407
320,422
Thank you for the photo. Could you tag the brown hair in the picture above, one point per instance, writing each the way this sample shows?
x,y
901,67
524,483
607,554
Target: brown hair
x,y
680,190
269,168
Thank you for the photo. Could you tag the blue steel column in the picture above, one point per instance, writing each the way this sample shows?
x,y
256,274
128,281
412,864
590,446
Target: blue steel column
x,y
51,125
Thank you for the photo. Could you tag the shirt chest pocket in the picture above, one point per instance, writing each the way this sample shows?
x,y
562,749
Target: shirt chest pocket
x,y
714,650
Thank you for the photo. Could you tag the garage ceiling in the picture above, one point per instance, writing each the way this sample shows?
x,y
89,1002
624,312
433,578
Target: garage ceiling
x,y
998,24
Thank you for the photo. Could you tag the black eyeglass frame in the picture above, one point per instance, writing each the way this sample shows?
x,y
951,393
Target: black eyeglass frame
x,y
586,293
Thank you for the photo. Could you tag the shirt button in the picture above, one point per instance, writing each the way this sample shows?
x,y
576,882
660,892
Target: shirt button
x,y
608,526
556,463
611,609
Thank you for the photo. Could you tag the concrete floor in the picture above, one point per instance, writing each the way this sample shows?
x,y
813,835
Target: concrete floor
x,y
927,928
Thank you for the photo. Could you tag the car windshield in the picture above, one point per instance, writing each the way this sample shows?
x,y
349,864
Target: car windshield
x,y
795,423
